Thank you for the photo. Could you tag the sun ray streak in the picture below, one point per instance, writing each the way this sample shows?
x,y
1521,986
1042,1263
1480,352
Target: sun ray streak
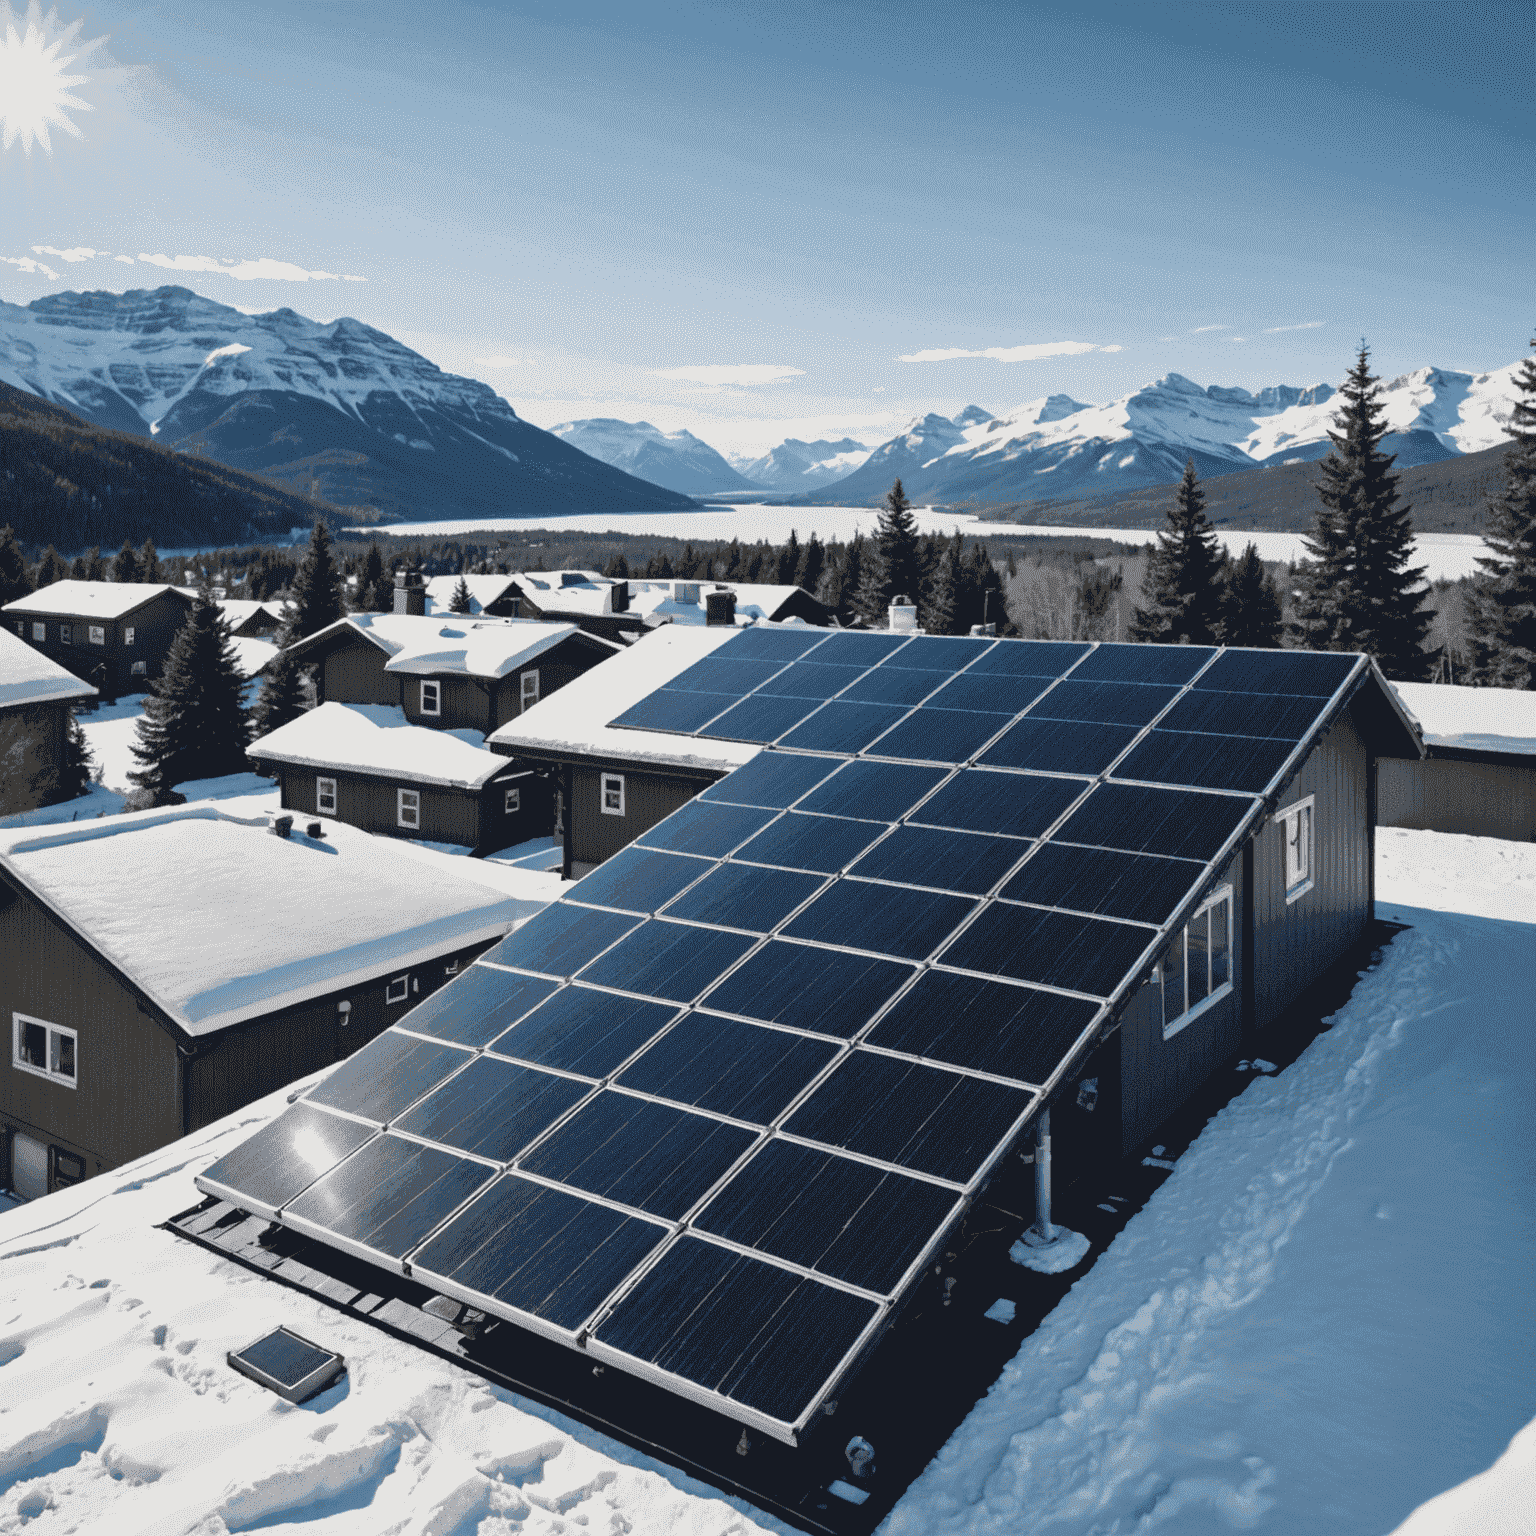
x,y
36,90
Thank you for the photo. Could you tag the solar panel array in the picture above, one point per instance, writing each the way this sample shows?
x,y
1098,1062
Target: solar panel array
x,y
709,1114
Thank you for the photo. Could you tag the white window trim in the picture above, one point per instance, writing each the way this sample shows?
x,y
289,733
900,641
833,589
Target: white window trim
x,y
528,696
96,634
139,669
325,789
1284,819
414,809
1171,1027
39,631
513,801
436,706
611,780
128,633
403,983
17,1020
66,634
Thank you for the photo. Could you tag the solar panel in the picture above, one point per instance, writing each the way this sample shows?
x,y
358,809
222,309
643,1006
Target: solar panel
x,y
801,841
1060,746
757,718
808,986
478,1005
938,735
671,710
888,919
874,791
583,1030
286,1156
743,896
773,779
670,960
1058,949
1305,673
781,645
1015,804
1175,664
1210,762
1180,824
938,653
1107,883
1282,716
492,1109
706,828
560,940
1029,658
804,680
719,674
893,685
968,862
388,1075
840,727
639,880
1107,703
991,693
856,650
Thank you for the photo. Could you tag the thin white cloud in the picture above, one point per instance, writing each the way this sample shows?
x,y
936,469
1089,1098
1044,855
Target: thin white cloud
x,y
74,253
498,362
730,373
29,265
263,267
127,259
1200,329
1273,330
1235,338
1026,354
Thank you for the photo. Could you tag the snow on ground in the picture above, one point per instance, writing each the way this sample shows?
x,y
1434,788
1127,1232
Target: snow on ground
x,y
110,730
1319,1322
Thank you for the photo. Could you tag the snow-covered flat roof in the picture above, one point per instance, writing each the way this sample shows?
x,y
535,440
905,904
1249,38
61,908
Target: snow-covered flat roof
x,y
483,591
653,602
473,647
90,599
220,921
29,677
574,721
377,738
1478,719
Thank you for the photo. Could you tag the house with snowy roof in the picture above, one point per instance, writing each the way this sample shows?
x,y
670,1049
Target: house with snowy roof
x,y
160,969
36,696
494,596
371,767
114,634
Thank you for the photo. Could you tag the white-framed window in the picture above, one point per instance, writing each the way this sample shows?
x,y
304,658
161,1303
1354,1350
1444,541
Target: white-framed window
x,y
408,808
65,635
398,990
1295,823
530,688
45,1050
613,794
325,796
39,631
431,697
452,967
98,634
514,802
128,633
1197,971
138,669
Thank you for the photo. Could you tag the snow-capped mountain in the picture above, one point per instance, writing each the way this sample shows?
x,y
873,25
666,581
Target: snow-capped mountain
x,y
678,460
796,465
337,408
1057,447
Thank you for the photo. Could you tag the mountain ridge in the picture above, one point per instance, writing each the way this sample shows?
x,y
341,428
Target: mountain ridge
x,y
677,460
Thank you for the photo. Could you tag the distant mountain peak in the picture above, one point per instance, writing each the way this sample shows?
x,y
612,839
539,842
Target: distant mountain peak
x,y
971,416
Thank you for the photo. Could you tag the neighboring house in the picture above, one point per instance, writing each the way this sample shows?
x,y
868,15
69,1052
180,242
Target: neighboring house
x,y
447,674
160,969
246,616
367,765
36,696
615,783
113,634
493,596
252,655
1479,772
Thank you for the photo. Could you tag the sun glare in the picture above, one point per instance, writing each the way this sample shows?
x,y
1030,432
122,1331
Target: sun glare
x,y
36,93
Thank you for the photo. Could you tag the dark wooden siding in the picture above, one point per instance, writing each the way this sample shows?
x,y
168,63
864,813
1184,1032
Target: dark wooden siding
x,y
447,815
1294,944
535,816
1446,795
353,673
465,703
109,666
648,798
1157,1075
31,753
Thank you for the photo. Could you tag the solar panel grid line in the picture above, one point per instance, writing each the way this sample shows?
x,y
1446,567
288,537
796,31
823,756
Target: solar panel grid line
x,y
1001,1079
442,1146
1038,986
795,1139
528,970
1098,917
746,1250
1199,789
646,1097
704,1010
344,1114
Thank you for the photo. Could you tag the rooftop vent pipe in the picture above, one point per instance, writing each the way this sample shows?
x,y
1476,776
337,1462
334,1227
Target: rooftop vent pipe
x,y
903,615
282,826
720,606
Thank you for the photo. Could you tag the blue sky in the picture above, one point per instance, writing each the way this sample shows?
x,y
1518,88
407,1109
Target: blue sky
x,y
576,201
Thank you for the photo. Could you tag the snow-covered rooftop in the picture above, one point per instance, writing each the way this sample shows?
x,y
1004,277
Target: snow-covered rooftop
x,y
652,602
28,677
574,721
220,921
239,610
469,646
252,653
1479,719
483,591
90,599
377,738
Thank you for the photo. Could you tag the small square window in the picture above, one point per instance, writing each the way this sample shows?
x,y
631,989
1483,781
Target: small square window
x,y
530,688
98,634
514,800
325,796
44,1049
138,669
398,990
67,1168
128,634
1295,823
65,634
613,794
431,698
408,807
39,631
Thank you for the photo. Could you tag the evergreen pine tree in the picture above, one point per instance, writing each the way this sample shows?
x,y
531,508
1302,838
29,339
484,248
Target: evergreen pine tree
x,y
282,691
813,556
78,765
149,563
126,566
1182,588
894,564
15,578
78,570
375,585
1250,603
618,568
461,602
788,560
95,566
194,724
1358,592
51,567
1503,600
317,587
989,602
945,610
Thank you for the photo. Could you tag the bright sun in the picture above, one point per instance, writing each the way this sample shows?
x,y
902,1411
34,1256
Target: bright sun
x,y
34,88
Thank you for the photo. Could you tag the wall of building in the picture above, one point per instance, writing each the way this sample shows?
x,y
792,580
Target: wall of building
x,y
31,754
353,673
1486,799
648,799
465,704
447,815
109,666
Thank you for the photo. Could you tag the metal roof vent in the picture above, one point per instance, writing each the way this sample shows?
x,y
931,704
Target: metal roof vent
x,y
720,607
903,614
291,1366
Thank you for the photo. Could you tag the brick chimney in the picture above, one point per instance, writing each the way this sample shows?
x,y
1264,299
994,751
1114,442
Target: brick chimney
x,y
720,606
410,593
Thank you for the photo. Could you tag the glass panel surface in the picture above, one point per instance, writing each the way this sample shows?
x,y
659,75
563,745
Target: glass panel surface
x,y
638,879
893,685
1144,663
651,1156
288,1154
1279,716
560,939
493,1108
1107,883
772,779
840,727
939,735
545,1251
716,674
912,1115
875,791
666,710
1221,943
1060,746
671,960
806,681
764,644
759,719
968,862
845,1219
476,1007
1106,703
855,650
1307,673
889,919
389,1073
987,1026
1173,980
1197,958
743,896
1085,954
1211,762
1028,658
992,693
808,987
391,1193
731,1068
739,1326
1015,804
800,841
581,1030
939,653
1179,823
706,828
